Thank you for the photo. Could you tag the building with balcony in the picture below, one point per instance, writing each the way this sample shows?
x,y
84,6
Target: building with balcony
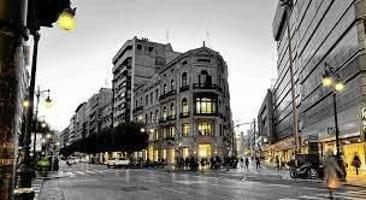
x,y
133,65
320,32
185,107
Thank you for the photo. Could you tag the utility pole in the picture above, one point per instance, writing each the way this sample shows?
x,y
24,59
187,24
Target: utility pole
x,y
13,34
288,6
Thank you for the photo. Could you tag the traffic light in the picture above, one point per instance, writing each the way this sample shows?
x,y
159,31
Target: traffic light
x,y
43,13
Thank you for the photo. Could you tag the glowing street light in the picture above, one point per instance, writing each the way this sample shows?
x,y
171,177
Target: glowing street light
x,y
66,21
26,104
43,125
142,130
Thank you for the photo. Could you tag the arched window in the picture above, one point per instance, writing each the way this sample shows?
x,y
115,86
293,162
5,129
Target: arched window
x,y
172,84
172,111
164,88
185,108
204,79
157,116
151,117
165,115
184,79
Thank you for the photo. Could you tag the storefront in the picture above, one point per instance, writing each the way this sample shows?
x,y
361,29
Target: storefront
x,y
349,147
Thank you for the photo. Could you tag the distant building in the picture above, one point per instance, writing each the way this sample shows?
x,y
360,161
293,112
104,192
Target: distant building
x,y
133,65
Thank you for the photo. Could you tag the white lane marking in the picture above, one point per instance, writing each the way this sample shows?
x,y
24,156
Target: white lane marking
x,y
279,185
174,190
311,197
79,172
341,196
90,172
287,199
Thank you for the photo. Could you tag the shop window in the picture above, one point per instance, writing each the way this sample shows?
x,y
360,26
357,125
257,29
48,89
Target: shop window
x,y
185,152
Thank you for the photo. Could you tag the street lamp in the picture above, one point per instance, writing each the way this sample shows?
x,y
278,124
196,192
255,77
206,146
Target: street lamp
x,y
332,80
66,20
48,104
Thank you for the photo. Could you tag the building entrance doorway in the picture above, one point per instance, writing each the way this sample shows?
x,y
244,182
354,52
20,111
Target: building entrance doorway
x,y
204,150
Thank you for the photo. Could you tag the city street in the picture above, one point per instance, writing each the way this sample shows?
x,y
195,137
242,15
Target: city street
x,y
85,181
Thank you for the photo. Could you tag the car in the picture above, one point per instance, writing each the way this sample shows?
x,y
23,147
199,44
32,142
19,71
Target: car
x,y
118,162
43,164
72,160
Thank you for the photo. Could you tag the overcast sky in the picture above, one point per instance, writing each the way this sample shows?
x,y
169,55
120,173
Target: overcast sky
x,y
74,65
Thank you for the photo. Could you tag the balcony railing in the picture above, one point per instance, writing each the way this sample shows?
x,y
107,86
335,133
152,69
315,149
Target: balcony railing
x,y
207,114
184,115
137,109
184,88
166,95
171,117
206,86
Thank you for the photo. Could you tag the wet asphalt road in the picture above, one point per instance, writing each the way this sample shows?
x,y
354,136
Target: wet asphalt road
x,y
94,182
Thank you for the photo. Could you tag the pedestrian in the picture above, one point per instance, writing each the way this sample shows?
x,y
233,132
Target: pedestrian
x,y
257,163
356,163
241,163
277,162
331,169
247,163
280,162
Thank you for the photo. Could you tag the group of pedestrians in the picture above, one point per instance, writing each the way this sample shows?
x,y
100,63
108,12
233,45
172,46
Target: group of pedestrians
x,y
193,163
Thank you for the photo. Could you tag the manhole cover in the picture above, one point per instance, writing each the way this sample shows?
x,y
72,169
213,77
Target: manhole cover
x,y
134,189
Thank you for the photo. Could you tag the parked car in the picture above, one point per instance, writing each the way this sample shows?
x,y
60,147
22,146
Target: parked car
x,y
43,164
118,162
72,160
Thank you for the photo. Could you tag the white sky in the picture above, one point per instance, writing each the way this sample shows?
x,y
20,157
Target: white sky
x,y
74,65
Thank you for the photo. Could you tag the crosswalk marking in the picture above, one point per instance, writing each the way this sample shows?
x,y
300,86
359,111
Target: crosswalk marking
x,y
346,195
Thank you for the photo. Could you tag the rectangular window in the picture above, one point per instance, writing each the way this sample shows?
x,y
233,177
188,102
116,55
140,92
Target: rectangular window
x,y
172,132
205,128
139,46
204,60
157,94
151,98
185,130
151,49
205,105
147,99
156,135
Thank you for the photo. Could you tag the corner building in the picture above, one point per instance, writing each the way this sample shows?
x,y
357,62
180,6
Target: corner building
x,y
184,103
321,32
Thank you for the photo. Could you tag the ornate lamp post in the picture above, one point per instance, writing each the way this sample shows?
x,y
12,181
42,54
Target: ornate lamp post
x,y
48,103
332,80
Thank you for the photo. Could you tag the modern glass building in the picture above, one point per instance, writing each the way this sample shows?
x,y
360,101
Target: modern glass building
x,y
321,31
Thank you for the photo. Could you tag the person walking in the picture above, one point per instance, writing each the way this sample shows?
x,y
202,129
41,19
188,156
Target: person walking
x,y
247,163
331,169
257,163
277,162
356,163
